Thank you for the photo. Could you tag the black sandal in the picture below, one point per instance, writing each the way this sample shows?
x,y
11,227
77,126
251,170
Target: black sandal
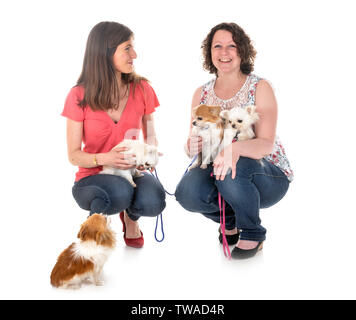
x,y
230,238
238,253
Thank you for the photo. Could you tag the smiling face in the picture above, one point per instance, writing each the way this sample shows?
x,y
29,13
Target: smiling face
x,y
224,52
124,56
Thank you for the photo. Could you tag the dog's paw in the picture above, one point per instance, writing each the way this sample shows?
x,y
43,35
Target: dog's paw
x,y
203,166
99,282
194,165
137,173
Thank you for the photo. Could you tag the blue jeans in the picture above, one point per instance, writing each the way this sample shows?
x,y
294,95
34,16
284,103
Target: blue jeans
x,y
255,186
110,194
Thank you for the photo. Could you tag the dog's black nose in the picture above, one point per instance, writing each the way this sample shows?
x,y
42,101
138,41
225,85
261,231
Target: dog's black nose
x,y
234,126
194,123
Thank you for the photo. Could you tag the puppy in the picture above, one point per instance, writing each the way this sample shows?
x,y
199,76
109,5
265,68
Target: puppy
x,y
208,125
85,260
238,123
146,157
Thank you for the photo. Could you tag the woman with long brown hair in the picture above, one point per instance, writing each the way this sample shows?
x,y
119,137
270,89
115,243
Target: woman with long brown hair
x,y
111,102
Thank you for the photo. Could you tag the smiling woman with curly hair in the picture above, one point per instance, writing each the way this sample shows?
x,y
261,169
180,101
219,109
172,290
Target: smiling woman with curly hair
x,y
246,50
250,174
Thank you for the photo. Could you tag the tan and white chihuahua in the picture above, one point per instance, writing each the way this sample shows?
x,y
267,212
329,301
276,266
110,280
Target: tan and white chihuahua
x,y
208,125
84,260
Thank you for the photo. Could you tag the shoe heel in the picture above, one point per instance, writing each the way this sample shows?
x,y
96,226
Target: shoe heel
x,y
136,242
123,221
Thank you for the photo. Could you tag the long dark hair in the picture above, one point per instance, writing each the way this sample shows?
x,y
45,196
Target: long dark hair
x,y
98,76
245,48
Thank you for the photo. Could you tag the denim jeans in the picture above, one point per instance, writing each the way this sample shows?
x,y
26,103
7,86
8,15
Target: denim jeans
x,y
258,184
110,194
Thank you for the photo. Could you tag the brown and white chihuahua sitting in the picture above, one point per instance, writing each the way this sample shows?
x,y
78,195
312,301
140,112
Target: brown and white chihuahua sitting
x,y
208,125
85,260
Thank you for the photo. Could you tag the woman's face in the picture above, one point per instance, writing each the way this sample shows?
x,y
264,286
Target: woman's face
x,y
224,52
124,56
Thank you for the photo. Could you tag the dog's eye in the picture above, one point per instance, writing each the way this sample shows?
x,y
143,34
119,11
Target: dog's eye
x,y
239,121
200,118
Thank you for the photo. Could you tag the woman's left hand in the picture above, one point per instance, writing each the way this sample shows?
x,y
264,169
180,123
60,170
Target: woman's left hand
x,y
225,160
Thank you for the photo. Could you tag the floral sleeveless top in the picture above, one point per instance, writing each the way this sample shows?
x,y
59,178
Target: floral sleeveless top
x,y
244,97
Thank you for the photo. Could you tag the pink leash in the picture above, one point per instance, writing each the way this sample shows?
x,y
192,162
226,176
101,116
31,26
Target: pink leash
x,y
222,227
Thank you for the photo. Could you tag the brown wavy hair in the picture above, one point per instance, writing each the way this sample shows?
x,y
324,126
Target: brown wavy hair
x,y
98,76
245,48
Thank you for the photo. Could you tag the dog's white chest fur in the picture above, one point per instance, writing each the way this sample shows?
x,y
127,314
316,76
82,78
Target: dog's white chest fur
x,y
91,251
211,138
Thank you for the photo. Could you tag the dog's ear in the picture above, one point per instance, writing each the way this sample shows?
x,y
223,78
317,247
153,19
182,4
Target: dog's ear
x,y
82,233
87,232
215,110
194,110
100,237
224,115
104,238
251,110
152,148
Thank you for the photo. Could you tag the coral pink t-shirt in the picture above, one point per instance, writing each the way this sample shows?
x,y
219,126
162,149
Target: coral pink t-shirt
x,y
100,132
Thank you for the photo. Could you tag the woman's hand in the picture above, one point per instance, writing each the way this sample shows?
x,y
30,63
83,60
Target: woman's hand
x,y
194,145
117,158
225,160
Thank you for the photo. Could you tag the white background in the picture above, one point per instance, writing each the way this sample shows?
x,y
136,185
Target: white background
x,y
305,48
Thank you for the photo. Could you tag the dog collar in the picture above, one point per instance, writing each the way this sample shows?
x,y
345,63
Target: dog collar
x,y
236,138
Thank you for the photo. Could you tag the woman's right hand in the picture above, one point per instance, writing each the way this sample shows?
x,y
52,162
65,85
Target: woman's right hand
x,y
117,158
194,145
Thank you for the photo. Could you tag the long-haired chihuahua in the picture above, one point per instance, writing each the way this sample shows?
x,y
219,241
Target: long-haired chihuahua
x,y
84,261
208,125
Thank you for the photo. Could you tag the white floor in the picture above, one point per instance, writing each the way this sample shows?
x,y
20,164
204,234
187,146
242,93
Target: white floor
x,y
299,261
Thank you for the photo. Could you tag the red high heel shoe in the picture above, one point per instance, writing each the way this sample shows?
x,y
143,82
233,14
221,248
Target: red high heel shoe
x,y
136,242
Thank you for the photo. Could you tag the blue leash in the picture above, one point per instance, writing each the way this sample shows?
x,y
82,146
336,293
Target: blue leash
x,y
171,194
161,228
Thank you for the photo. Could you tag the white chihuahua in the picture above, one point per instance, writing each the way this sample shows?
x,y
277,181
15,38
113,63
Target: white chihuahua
x,y
146,157
238,123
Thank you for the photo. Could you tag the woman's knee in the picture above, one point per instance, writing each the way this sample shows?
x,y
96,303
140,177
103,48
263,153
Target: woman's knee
x,y
120,200
245,167
181,192
88,196
197,195
186,194
108,198
149,206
